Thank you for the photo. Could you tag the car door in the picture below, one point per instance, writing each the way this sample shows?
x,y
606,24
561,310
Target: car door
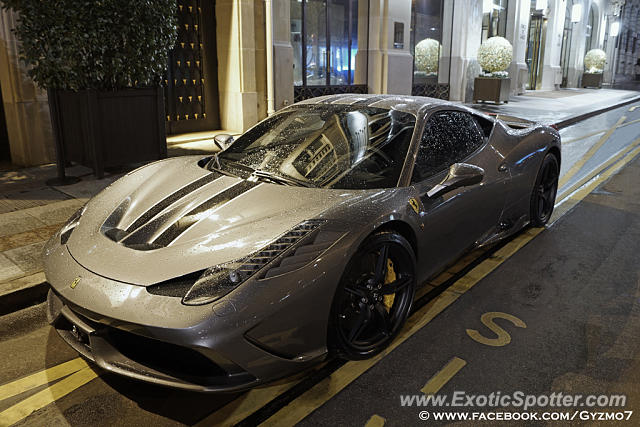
x,y
457,219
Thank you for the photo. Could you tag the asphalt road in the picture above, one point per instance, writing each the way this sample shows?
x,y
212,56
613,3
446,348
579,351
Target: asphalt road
x,y
564,302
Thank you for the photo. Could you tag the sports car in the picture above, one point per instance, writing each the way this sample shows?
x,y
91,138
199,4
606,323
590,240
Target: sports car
x,y
303,239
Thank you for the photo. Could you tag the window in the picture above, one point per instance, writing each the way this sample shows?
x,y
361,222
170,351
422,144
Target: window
x,y
448,137
494,18
430,44
326,36
588,41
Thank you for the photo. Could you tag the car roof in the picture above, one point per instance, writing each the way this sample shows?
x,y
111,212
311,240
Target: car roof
x,y
404,103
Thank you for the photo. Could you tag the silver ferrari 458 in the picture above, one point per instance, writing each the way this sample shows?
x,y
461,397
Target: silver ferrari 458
x,y
305,237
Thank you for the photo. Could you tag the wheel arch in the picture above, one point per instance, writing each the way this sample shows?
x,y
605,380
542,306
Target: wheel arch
x,y
556,152
402,228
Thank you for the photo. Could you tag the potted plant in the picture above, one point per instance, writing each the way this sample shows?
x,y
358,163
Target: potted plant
x,y
102,64
594,62
427,57
494,56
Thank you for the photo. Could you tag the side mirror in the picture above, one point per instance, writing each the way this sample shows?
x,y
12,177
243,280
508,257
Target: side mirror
x,y
460,175
223,141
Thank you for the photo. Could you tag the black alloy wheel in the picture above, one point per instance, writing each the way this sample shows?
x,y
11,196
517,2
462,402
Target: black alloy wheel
x,y
543,197
374,297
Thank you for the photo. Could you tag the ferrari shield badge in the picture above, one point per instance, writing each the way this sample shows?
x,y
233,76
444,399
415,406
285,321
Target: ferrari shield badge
x,y
75,283
414,205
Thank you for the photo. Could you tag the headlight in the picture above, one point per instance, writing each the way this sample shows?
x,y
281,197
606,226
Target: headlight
x,y
67,229
217,281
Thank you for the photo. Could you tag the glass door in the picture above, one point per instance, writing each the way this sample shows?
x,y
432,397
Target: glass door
x,y
325,35
430,44
535,48
565,50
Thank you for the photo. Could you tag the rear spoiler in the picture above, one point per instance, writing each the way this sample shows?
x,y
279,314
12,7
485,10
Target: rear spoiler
x,y
515,122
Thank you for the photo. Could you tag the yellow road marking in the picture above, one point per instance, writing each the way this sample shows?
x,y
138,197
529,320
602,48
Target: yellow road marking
x,y
580,163
583,192
23,409
503,337
601,167
580,138
245,405
30,382
443,376
588,135
629,123
375,421
634,107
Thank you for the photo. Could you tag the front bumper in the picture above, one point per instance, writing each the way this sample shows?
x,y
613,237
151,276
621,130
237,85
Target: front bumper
x,y
137,356
258,333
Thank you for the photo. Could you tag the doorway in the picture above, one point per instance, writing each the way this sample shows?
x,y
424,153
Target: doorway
x,y
191,85
535,48
5,153
565,50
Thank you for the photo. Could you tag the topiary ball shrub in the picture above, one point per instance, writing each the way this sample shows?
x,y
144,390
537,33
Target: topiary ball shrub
x,y
495,54
427,56
594,61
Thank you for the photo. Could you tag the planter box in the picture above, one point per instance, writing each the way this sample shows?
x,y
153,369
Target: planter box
x,y
592,80
102,129
424,79
491,89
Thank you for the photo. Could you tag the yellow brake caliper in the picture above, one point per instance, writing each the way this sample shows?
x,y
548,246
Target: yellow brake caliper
x,y
390,277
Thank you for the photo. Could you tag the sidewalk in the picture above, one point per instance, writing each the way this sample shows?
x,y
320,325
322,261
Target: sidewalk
x,y
31,212
561,107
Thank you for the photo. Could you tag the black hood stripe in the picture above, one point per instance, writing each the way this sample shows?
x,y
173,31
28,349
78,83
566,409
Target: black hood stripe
x,y
181,225
171,199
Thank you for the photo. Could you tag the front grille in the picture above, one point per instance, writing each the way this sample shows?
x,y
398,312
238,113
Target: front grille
x,y
174,360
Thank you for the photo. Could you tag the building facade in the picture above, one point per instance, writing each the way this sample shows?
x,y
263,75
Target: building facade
x,y
237,61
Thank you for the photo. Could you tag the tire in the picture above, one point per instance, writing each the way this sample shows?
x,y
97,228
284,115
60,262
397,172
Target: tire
x,y
374,297
543,195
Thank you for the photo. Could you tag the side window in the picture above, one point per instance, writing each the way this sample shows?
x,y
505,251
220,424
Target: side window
x,y
448,137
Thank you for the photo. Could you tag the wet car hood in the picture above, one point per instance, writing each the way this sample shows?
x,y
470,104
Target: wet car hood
x,y
174,217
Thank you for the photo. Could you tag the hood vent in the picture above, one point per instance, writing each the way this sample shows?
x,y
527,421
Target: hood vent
x,y
142,234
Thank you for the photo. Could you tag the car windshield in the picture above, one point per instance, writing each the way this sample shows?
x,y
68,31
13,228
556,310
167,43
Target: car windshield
x,y
329,146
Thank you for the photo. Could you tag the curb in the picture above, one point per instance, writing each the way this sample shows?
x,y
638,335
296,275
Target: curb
x,y
576,119
23,297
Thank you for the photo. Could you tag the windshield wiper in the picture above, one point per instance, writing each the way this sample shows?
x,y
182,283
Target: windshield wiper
x,y
214,165
279,179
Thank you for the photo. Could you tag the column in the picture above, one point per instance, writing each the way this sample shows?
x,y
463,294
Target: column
x,y
551,71
282,54
25,105
465,41
517,32
390,69
236,43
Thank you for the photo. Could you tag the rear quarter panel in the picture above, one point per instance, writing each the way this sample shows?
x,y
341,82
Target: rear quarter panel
x,y
523,151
